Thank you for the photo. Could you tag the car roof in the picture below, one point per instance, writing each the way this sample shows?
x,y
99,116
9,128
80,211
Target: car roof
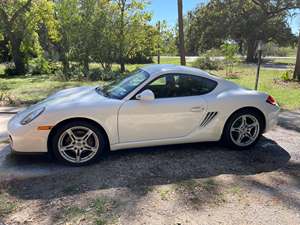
x,y
154,70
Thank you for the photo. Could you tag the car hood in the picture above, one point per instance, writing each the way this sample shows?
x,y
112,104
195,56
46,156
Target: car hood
x,y
68,97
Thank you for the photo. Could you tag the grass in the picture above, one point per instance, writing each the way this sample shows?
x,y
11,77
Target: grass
x,y
96,211
6,205
286,93
289,61
26,90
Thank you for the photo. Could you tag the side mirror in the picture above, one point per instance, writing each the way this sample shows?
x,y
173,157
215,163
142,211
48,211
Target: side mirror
x,y
146,95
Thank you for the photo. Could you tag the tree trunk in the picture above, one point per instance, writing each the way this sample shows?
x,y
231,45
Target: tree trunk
x,y
65,63
251,49
181,34
17,54
297,66
158,43
86,67
4,50
241,47
122,66
122,36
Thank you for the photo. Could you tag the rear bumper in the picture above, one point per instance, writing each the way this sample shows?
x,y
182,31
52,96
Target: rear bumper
x,y
272,118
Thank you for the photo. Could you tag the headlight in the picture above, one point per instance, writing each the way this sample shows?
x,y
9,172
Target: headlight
x,y
31,116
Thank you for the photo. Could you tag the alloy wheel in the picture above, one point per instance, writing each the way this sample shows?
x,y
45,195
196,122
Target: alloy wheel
x,y
244,130
78,144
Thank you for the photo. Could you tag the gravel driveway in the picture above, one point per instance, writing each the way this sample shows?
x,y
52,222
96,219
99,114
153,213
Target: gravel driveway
x,y
183,184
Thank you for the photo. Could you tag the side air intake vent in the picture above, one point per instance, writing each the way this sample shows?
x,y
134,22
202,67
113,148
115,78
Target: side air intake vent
x,y
208,118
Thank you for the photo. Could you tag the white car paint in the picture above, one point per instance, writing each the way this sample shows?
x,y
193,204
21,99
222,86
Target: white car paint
x,y
131,123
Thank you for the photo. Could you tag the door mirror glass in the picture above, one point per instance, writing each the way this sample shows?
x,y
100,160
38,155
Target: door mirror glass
x,y
146,95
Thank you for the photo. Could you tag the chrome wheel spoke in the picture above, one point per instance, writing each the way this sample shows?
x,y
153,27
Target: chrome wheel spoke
x,y
75,147
78,156
234,129
90,148
252,125
244,121
244,130
67,148
71,135
87,135
249,136
240,138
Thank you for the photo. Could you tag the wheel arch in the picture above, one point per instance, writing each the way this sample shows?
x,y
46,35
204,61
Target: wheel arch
x,y
73,119
252,109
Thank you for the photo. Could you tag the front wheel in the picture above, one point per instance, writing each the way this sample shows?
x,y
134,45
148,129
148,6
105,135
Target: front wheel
x,y
243,129
78,143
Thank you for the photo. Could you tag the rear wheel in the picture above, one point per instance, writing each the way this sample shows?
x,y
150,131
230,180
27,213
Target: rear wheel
x,y
78,143
243,129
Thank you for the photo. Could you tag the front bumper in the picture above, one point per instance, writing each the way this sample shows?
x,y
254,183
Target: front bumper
x,y
26,138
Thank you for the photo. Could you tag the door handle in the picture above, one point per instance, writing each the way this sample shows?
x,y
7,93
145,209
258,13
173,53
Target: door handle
x,y
197,109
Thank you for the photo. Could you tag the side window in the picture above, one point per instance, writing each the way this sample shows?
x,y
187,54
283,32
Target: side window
x,y
159,87
189,85
169,86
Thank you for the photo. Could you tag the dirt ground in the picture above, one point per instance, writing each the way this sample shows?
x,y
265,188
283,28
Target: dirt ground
x,y
201,183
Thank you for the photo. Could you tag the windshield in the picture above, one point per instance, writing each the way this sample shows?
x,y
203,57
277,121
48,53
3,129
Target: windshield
x,y
122,87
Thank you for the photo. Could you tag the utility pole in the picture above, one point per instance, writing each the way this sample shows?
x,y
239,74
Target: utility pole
x,y
181,33
259,50
158,43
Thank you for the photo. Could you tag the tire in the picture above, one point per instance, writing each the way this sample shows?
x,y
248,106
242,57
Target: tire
x,y
241,136
78,143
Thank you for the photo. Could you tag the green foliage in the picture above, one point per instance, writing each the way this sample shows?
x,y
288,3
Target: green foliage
x,y
242,21
229,51
97,74
21,22
39,66
287,75
207,63
10,70
166,39
272,49
104,32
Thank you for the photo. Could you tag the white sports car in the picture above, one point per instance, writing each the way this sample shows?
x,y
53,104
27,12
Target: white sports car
x,y
156,105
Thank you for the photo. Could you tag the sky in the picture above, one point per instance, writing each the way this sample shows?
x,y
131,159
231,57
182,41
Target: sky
x,y
167,10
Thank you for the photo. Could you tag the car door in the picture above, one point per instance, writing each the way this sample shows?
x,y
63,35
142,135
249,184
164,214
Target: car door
x,y
177,110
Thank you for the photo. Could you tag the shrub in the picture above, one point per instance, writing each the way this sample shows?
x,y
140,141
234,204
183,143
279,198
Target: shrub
x,y
97,74
39,66
287,75
229,51
272,49
207,63
10,70
60,76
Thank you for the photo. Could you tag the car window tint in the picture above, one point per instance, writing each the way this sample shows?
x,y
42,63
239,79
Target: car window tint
x,y
169,86
159,87
189,85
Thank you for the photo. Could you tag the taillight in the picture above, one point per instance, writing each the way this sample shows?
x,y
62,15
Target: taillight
x,y
271,100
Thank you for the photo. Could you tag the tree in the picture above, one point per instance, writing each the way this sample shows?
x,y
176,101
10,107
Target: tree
x,y
20,20
275,7
130,27
68,17
84,42
104,36
167,39
181,33
241,21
